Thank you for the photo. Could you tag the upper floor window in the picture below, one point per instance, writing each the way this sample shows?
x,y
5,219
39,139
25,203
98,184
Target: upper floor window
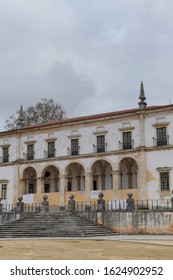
x,y
4,191
127,140
74,147
164,181
162,139
30,151
101,144
5,154
51,149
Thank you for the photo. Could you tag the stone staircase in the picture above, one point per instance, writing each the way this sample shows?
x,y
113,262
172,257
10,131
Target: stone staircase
x,y
60,224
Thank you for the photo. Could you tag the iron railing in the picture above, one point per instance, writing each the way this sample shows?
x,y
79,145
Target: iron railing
x,y
73,152
126,145
50,154
111,205
27,208
121,205
164,141
100,148
28,156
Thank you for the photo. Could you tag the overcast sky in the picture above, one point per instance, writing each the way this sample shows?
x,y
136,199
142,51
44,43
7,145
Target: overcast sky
x,y
88,55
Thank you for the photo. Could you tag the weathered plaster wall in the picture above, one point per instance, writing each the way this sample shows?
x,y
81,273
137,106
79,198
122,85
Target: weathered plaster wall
x,y
140,222
8,217
137,222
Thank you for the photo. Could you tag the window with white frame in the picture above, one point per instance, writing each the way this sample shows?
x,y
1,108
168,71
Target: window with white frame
x,y
164,181
161,136
5,151
30,151
101,143
127,140
4,191
51,149
75,146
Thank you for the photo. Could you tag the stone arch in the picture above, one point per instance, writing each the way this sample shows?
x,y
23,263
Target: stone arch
x,y
73,162
29,180
102,175
75,177
41,168
128,173
50,179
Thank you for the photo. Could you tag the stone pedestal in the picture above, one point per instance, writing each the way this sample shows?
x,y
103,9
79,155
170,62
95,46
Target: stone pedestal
x,y
20,205
130,202
172,202
1,206
71,204
100,202
45,204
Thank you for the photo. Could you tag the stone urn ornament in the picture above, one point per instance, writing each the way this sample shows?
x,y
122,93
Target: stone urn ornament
x,y
71,203
45,203
1,205
130,202
100,202
20,204
172,201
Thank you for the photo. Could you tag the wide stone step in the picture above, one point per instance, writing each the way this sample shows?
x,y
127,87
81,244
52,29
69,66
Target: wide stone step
x,y
54,224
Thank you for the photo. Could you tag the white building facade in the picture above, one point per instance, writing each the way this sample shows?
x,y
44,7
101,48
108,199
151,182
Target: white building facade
x,y
113,153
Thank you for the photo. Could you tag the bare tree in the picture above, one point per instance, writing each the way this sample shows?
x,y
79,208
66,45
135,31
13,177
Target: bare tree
x,y
44,111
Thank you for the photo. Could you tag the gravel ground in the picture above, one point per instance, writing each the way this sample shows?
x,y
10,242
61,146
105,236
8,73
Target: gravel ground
x,y
80,249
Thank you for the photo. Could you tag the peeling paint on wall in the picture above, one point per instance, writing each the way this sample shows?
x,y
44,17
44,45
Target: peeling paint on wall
x,y
149,176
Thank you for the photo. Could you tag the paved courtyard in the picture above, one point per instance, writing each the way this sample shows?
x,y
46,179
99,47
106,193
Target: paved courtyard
x,y
101,248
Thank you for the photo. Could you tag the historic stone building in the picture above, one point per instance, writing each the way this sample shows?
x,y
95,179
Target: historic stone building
x,y
112,152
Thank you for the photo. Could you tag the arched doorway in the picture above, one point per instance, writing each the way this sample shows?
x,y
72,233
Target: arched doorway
x,y
50,179
30,181
102,175
128,173
75,177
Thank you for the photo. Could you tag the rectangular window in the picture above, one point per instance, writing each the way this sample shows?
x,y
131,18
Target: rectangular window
x,y
46,188
5,155
51,149
4,191
101,144
94,185
31,188
30,152
127,140
164,181
74,147
161,136
69,186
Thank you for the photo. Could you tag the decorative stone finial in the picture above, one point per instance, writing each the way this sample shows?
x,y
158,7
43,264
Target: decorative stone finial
x,y
130,202
172,201
21,118
45,203
142,103
71,203
1,206
100,202
20,205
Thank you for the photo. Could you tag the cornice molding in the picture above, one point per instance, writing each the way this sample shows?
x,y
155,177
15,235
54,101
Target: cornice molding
x,y
101,132
162,124
126,128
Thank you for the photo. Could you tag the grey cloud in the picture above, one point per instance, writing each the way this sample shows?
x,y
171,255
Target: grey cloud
x,y
90,56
